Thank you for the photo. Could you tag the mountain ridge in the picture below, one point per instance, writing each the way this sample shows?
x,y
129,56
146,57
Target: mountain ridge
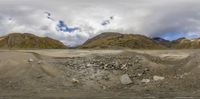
x,y
29,41
107,40
117,40
136,41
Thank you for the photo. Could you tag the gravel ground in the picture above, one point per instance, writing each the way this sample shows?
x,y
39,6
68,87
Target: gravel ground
x,y
99,74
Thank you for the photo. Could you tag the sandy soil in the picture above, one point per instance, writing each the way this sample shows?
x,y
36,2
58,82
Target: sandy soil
x,y
99,74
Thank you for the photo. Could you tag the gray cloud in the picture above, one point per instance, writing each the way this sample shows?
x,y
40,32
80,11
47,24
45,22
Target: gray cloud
x,y
148,17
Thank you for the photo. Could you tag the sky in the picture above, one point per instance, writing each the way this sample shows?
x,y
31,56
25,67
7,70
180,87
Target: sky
x,y
75,21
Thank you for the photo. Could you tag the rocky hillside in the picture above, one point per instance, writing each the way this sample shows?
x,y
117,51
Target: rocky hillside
x,y
166,43
184,43
134,41
117,40
29,41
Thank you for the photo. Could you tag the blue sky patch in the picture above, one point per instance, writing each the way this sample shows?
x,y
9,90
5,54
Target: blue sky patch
x,y
174,36
64,28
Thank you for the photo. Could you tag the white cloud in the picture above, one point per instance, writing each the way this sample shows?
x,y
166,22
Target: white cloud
x,y
148,17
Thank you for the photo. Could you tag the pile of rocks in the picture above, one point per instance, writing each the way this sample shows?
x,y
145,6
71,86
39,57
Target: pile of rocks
x,y
105,70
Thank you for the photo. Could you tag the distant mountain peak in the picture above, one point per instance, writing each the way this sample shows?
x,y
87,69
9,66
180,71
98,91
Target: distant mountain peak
x,y
159,39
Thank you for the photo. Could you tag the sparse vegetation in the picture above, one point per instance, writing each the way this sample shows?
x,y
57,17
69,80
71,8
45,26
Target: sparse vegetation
x,y
29,41
116,40
133,41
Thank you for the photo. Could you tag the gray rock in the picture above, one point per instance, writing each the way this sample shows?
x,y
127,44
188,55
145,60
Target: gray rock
x,y
40,62
75,81
125,79
104,87
139,74
145,80
89,65
124,67
158,78
30,60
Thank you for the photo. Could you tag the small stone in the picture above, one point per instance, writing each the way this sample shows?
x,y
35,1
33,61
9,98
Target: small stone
x,y
75,81
125,79
40,62
145,80
30,60
157,78
140,74
89,65
104,87
124,66
146,69
39,76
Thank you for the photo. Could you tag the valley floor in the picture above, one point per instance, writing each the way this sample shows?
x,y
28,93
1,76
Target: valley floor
x,y
99,74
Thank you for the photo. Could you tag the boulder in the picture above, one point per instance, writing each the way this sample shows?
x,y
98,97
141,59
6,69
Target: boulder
x,y
145,80
125,79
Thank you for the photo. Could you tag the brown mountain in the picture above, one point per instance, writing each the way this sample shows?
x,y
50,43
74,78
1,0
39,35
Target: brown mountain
x,y
133,41
184,43
117,40
166,43
29,41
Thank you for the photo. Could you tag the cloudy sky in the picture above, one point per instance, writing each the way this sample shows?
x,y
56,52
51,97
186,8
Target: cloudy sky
x,y
75,21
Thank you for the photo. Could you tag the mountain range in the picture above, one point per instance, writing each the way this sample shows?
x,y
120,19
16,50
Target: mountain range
x,y
135,41
108,40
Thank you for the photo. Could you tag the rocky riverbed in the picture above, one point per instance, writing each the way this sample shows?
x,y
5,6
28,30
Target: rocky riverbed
x,y
99,74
